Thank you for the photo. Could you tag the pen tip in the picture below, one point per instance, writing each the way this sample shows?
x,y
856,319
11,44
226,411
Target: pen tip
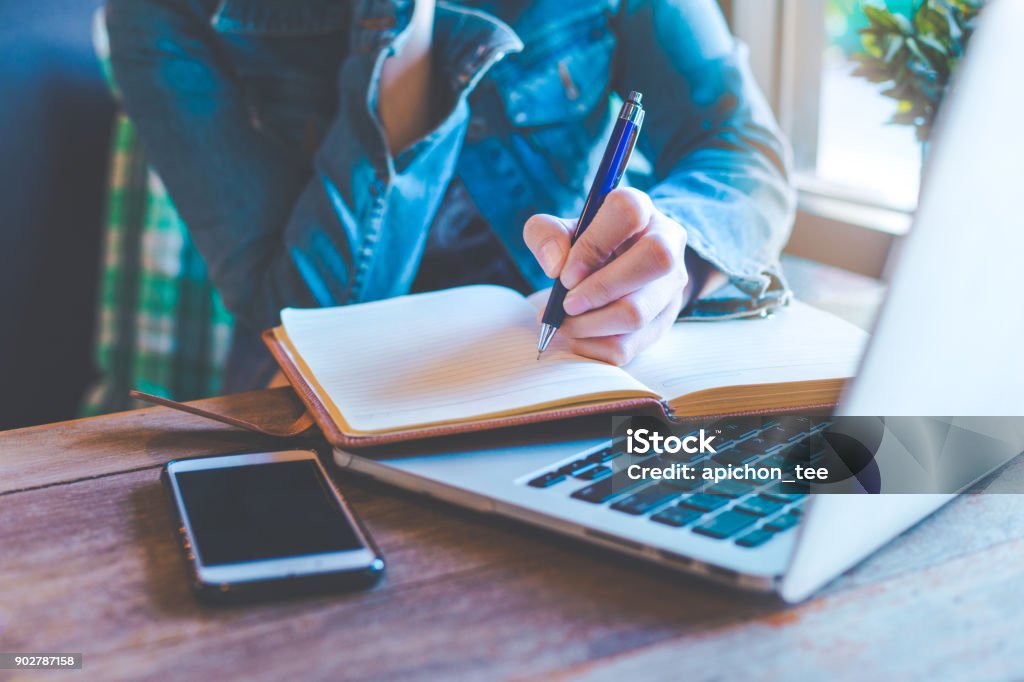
x,y
546,333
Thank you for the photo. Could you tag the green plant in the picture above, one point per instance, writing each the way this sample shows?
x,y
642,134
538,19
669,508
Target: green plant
x,y
916,55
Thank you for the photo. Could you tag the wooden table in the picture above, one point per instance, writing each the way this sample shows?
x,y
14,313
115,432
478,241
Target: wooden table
x,y
89,563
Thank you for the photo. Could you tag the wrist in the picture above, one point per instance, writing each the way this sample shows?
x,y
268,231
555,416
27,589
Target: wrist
x,y
703,277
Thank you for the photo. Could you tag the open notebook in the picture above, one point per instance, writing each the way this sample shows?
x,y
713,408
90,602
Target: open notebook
x,y
465,359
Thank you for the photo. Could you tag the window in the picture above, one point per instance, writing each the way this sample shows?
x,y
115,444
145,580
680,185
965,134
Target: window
x,y
851,165
857,148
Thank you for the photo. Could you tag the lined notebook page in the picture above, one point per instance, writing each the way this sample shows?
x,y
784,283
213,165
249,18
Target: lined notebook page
x,y
446,356
797,343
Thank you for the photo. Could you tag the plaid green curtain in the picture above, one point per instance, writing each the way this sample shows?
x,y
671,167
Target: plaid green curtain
x,y
162,327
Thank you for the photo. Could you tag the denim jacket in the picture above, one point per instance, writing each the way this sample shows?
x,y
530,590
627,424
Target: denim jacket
x,y
260,117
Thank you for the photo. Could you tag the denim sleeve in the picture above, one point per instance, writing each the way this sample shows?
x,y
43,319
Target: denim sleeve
x,y
274,232
720,162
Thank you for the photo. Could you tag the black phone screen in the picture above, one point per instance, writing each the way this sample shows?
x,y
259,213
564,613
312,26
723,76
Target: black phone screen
x,y
263,511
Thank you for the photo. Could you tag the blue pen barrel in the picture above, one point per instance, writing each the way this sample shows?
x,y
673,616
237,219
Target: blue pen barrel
x,y
609,173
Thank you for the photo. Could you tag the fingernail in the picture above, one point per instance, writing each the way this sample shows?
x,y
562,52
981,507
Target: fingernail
x,y
575,304
550,258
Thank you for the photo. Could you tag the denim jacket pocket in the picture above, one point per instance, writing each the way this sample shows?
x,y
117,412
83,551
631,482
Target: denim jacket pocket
x,y
561,76
277,18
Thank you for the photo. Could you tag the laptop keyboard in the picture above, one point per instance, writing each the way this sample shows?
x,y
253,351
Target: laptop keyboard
x,y
746,512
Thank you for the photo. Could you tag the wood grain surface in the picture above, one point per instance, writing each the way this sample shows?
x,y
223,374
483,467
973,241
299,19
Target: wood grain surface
x,y
89,563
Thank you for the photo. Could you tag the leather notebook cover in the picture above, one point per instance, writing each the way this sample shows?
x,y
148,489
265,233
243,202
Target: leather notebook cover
x,y
335,436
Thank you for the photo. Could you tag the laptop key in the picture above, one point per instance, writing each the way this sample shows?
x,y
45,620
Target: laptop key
x,y
653,463
759,506
736,430
677,516
547,480
755,538
756,446
780,496
725,524
646,500
573,467
605,455
777,434
594,473
607,488
776,461
734,457
799,427
704,502
683,457
798,452
684,484
731,488
782,522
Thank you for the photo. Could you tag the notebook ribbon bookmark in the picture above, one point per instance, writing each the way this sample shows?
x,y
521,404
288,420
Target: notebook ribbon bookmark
x,y
299,427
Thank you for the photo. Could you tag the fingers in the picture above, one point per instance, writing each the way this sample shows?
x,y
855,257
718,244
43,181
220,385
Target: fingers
x,y
629,314
549,239
655,255
626,274
625,212
622,348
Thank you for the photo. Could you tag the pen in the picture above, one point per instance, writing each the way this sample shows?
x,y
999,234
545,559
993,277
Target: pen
x,y
613,163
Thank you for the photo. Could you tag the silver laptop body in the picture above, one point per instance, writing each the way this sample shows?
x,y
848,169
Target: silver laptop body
x,y
947,342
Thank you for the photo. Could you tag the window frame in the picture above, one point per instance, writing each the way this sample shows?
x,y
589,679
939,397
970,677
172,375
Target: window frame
x,y
835,224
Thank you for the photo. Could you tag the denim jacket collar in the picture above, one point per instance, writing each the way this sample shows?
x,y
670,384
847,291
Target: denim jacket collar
x,y
378,23
468,40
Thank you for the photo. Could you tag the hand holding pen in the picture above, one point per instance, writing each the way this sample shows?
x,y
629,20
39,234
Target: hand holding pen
x,y
621,268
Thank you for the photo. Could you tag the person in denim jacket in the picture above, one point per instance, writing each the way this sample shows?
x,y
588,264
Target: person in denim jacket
x,y
326,152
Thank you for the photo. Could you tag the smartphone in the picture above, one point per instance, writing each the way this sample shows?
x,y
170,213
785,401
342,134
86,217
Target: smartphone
x,y
267,524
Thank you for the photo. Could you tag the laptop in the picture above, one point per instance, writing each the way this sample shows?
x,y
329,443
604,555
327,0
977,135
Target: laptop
x,y
946,342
